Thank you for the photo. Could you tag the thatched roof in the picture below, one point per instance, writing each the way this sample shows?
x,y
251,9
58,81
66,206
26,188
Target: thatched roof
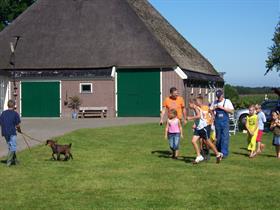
x,y
78,34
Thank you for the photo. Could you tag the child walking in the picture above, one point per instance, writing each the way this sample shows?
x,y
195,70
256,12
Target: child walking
x,y
275,127
173,132
200,131
261,121
252,128
207,114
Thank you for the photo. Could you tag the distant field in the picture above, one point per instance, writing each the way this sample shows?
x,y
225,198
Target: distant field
x,y
246,100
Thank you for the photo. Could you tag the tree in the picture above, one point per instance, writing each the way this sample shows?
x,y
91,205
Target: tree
x,y
273,61
231,92
10,9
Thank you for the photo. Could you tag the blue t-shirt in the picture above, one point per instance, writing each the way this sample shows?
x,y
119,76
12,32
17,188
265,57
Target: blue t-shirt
x,y
262,120
9,119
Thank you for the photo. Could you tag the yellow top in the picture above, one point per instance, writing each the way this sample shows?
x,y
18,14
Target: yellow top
x,y
252,122
207,115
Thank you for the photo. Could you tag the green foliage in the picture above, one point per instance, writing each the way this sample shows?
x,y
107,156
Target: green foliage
x,y
273,61
243,97
231,93
128,168
252,90
74,103
246,100
10,9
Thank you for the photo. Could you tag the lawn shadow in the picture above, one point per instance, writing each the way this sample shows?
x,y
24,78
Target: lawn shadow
x,y
3,161
239,153
162,153
243,148
267,155
167,154
187,159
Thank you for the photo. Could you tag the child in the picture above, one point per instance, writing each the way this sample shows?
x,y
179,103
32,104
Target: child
x,y
275,127
261,121
173,131
10,122
204,148
252,128
201,132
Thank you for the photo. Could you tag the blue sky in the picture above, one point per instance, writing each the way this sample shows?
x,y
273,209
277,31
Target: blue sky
x,y
234,35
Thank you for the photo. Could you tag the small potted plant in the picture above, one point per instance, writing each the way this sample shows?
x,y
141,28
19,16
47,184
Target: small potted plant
x,y
74,103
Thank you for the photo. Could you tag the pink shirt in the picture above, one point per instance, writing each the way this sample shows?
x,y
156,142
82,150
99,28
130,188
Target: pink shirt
x,y
173,126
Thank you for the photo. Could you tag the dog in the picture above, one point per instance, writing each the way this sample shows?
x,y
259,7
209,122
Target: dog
x,y
60,149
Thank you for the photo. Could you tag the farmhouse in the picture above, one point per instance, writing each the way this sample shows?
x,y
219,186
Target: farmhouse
x,y
119,54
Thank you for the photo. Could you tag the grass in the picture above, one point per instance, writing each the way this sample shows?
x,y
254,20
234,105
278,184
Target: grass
x,y
127,168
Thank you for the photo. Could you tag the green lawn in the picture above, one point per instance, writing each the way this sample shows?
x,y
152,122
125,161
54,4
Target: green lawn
x,y
127,168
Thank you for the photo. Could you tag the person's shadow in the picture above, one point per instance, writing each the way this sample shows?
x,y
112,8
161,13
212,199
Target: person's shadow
x,y
168,154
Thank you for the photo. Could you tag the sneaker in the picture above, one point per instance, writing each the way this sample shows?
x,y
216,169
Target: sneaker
x,y
219,157
199,159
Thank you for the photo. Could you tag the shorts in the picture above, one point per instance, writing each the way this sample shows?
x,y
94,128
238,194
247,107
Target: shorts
x,y
276,140
174,140
208,129
202,133
259,136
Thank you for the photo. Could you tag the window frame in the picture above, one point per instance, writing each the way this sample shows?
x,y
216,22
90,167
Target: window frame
x,y
86,92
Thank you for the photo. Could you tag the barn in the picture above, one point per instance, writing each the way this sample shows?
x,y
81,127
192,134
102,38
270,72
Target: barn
x,y
119,54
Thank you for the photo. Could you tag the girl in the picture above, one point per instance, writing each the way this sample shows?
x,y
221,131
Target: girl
x,y
261,121
275,127
252,128
200,131
173,132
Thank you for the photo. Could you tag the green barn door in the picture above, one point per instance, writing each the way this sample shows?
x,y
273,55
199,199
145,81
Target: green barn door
x,y
40,99
138,93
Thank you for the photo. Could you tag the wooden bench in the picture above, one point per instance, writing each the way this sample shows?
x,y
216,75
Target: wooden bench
x,y
92,112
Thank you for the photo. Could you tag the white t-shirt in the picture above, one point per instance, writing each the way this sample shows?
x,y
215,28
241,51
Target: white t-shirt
x,y
201,123
228,104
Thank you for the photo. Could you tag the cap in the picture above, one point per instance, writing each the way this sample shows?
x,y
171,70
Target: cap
x,y
219,93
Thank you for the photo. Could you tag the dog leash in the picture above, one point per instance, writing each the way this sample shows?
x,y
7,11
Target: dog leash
x,y
31,138
26,142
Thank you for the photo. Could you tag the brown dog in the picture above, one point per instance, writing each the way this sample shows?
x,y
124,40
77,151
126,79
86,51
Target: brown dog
x,y
60,149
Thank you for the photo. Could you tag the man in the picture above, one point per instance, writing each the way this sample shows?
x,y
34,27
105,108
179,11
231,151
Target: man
x,y
10,122
222,108
174,101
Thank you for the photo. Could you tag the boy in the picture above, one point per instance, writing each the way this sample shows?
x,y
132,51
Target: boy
x,y
200,132
208,117
10,122
261,121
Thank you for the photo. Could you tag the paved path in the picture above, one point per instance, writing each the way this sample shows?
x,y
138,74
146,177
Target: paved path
x,y
48,128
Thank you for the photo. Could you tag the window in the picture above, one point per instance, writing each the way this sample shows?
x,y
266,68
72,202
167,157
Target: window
x,y
85,87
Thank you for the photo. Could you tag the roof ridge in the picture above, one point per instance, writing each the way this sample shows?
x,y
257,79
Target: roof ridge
x,y
150,31
136,4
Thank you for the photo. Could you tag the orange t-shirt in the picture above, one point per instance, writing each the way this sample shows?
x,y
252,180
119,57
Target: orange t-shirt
x,y
178,104
207,115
